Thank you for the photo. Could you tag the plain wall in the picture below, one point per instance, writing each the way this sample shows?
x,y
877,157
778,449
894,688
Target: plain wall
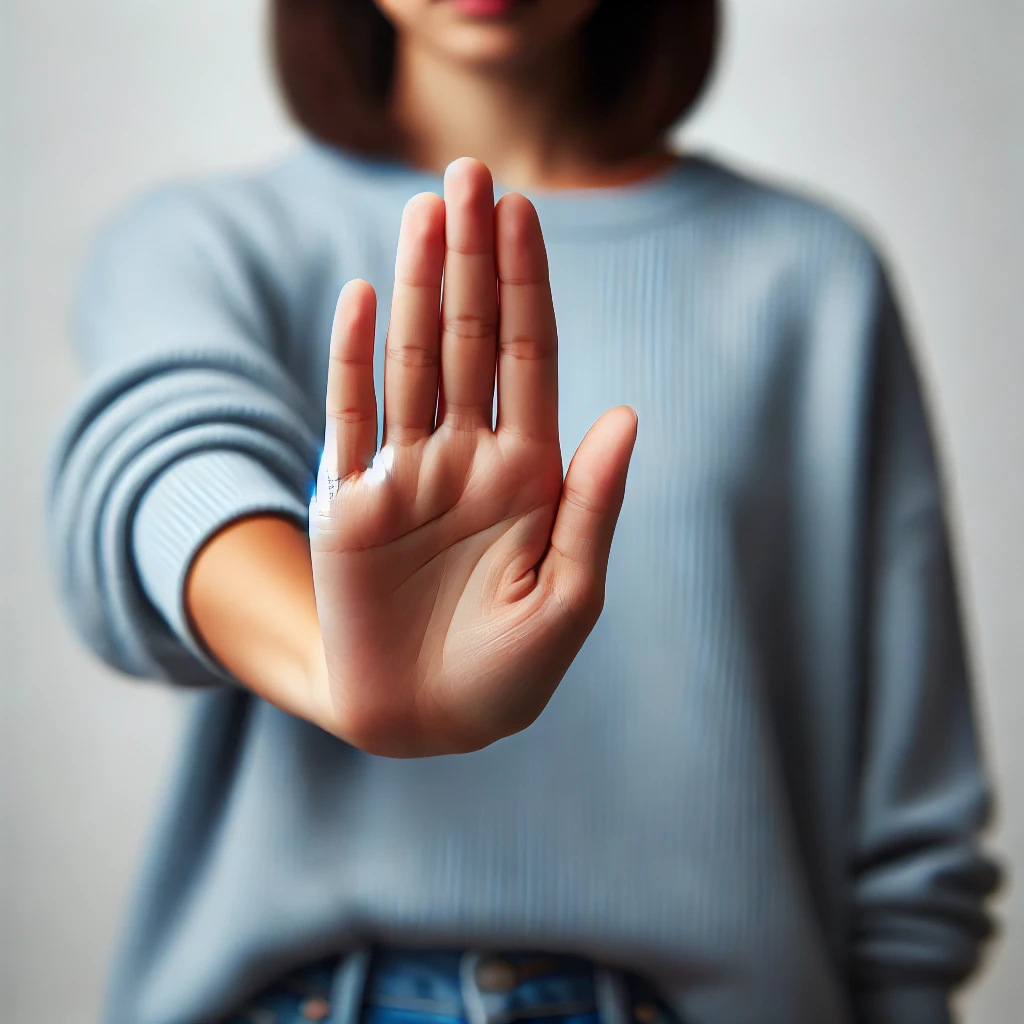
x,y
909,113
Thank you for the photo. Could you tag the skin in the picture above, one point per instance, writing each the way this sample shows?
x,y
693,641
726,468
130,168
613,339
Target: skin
x,y
444,590
504,90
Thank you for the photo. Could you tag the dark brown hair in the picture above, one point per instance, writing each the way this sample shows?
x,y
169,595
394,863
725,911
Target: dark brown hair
x,y
646,62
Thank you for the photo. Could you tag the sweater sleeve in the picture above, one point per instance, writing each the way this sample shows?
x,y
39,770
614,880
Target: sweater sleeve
x,y
920,877
188,421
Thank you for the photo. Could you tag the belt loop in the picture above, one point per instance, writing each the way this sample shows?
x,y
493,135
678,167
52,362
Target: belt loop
x,y
472,998
347,987
611,993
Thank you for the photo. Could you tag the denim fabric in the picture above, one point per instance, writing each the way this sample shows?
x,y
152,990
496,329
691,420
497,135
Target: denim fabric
x,y
298,999
455,987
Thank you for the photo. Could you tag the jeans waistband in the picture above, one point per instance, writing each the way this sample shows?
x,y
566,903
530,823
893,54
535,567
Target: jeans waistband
x,y
482,987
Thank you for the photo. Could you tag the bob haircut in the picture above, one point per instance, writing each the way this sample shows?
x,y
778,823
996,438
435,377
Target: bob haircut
x,y
645,64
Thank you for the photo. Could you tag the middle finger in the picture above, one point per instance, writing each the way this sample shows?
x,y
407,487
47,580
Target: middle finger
x,y
469,304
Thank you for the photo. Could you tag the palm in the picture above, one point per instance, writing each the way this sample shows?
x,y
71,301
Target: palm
x,y
457,576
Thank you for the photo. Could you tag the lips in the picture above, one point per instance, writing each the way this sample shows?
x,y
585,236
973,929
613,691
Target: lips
x,y
484,8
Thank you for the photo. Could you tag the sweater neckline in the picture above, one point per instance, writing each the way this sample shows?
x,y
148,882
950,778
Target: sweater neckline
x,y
564,212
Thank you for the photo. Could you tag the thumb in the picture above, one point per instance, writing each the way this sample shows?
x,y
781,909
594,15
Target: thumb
x,y
581,539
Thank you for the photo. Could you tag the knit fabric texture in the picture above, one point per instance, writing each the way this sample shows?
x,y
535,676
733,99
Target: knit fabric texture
x,y
759,783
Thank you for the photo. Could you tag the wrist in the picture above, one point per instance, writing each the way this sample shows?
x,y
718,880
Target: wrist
x,y
315,687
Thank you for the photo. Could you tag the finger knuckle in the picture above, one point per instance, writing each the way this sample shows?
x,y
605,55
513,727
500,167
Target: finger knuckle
x,y
462,419
579,599
526,348
585,502
469,249
469,325
413,357
350,415
346,362
403,435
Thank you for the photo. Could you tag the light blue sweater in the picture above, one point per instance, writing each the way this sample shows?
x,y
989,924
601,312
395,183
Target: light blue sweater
x,y
759,783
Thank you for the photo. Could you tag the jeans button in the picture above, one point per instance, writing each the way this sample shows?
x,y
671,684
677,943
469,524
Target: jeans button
x,y
494,975
645,1013
316,1009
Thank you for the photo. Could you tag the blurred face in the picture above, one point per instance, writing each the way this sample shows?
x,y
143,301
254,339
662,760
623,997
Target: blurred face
x,y
488,33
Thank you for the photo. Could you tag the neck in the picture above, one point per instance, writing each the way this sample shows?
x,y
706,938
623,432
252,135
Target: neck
x,y
519,121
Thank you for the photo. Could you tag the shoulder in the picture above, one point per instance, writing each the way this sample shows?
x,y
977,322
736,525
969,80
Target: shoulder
x,y
809,273
276,216
243,243
241,213
790,231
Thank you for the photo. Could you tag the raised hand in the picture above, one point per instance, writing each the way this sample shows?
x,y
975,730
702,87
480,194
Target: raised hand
x,y
457,574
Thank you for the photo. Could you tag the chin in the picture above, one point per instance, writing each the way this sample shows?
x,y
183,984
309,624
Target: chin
x,y
486,46
488,33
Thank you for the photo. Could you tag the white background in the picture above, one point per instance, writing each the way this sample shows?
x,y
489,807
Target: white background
x,y
909,113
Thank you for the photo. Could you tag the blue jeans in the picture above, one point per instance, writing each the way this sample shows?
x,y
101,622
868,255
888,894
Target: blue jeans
x,y
389,986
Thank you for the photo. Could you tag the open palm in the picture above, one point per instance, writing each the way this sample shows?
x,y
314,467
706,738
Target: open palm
x,y
457,574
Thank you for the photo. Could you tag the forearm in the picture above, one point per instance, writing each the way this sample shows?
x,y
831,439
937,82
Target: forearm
x,y
249,596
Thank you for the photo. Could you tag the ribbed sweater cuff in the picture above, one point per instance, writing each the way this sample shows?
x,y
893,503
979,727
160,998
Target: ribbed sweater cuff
x,y
184,507
904,1005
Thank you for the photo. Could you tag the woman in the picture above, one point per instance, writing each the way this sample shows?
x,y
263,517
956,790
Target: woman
x,y
755,792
